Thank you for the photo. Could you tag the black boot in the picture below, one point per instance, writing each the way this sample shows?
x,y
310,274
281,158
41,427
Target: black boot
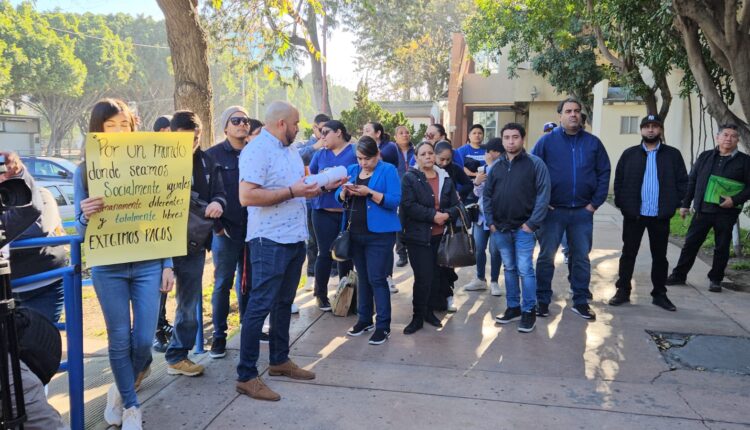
x,y
415,325
621,296
432,320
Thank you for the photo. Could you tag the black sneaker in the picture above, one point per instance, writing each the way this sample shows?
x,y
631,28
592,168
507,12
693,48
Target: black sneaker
x,y
663,302
159,346
511,314
218,348
542,309
528,322
161,339
265,338
675,280
402,261
713,287
620,297
432,320
360,328
323,304
584,311
414,326
379,337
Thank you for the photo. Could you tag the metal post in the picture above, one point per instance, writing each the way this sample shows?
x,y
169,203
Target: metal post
x,y
74,334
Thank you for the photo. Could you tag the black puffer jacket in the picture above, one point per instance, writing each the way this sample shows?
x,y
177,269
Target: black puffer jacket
x,y
673,179
417,209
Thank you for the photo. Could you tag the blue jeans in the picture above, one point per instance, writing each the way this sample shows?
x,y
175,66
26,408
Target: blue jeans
x,y
578,225
118,286
370,254
188,272
517,249
47,300
277,268
327,226
481,238
229,257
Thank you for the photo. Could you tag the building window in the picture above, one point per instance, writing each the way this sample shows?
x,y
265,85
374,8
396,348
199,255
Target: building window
x,y
489,121
629,125
487,62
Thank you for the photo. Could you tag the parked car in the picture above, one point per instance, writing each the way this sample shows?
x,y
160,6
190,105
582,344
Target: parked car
x,y
62,191
50,168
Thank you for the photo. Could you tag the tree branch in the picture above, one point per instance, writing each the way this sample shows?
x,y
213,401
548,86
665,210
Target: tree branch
x,y
708,24
600,43
744,18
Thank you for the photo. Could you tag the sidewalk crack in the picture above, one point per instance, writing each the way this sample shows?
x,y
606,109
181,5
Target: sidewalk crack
x,y
702,419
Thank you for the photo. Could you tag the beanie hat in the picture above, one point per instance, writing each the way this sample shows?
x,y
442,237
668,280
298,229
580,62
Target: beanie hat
x,y
231,110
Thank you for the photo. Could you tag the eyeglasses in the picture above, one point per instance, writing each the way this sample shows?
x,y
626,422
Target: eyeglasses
x,y
238,120
325,132
429,135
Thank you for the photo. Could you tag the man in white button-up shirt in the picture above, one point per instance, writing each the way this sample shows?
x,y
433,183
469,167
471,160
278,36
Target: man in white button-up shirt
x,y
273,189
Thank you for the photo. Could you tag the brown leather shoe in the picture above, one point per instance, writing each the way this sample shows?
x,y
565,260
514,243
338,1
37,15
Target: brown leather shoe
x,y
291,370
257,389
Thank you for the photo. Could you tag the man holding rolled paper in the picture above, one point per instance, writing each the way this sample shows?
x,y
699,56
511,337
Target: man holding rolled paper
x,y
717,187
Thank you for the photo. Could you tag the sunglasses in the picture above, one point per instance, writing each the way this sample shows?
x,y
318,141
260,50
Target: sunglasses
x,y
325,132
238,121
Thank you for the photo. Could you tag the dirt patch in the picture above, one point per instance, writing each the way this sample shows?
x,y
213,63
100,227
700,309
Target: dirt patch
x,y
737,280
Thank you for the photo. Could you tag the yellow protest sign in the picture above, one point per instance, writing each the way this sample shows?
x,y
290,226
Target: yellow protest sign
x,y
145,181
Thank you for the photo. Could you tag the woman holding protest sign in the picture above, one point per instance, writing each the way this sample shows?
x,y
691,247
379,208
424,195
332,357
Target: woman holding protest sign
x,y
120,286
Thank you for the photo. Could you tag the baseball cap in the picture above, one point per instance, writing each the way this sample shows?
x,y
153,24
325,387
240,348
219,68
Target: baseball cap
x,y
651,119
548,126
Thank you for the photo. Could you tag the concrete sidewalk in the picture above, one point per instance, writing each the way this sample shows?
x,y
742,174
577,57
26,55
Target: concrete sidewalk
x,y
474,374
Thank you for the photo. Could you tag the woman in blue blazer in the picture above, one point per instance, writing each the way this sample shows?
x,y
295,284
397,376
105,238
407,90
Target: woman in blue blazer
x,y
372,197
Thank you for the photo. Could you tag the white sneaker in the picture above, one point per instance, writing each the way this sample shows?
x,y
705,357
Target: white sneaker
x,y
132,419
295,308
113,410
451,307
495,289
392,285
476,285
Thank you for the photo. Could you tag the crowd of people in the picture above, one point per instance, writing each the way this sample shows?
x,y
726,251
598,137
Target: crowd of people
x,y
396,196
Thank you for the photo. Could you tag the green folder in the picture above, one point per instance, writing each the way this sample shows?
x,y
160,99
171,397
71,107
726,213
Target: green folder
x,y
719,186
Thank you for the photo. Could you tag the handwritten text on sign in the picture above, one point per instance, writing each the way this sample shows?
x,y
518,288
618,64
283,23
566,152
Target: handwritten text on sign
x,y
145,181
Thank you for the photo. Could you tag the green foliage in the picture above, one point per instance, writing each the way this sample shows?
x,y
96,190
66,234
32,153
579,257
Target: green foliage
x,y
404,45
365,110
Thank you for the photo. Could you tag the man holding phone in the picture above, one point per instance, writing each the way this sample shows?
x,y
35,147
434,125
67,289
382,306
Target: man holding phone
x,y
721,163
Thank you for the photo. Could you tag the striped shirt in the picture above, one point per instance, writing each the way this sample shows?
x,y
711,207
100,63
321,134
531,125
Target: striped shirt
x,y
650,187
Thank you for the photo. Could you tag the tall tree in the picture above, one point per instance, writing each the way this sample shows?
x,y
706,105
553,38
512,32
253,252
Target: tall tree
x,y
274,35
406,44
716,35
188,44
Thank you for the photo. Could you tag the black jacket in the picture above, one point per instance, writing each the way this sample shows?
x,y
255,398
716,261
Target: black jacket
x,y
234,218
737,168
517,192
417,208
631,168
208,183
461,180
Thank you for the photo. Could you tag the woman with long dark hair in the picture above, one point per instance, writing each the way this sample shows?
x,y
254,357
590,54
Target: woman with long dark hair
x,y
122,286
372,196
429,202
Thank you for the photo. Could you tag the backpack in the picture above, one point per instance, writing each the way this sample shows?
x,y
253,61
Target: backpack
x,y
39,343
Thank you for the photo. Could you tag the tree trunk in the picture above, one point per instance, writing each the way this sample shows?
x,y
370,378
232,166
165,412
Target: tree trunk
x,y
321,101
188,45
728,46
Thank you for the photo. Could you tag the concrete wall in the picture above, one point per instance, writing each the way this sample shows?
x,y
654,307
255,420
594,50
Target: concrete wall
x,y
20,134
539,113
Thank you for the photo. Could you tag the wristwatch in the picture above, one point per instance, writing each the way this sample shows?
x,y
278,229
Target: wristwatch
x,y
369,196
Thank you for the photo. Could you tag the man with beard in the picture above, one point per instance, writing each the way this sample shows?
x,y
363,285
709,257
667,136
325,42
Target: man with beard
x,y
272,188
650,182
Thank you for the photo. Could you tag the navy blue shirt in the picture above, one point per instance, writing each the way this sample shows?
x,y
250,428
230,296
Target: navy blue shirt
x,y
389,152
324,159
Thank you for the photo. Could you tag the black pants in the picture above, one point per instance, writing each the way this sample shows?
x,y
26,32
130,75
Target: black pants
x,y
400,246
312,243
658,237
162,312
722,223
428,277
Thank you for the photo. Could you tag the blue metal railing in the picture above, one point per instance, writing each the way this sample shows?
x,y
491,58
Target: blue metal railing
x,y
73,315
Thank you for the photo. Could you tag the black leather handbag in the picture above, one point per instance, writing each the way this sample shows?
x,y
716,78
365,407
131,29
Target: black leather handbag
x,y
341,246
199,227
457,245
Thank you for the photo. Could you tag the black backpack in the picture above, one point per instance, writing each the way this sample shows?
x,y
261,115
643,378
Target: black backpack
x,y
39,343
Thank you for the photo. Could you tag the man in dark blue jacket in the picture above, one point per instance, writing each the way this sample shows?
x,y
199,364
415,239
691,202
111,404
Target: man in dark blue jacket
x,y
579,170
724,161
650,182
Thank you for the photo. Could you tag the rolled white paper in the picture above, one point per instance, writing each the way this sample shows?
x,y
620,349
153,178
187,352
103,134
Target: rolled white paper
x,y
328,176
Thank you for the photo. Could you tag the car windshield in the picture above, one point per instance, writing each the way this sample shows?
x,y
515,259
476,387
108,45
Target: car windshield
x,y
67,164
